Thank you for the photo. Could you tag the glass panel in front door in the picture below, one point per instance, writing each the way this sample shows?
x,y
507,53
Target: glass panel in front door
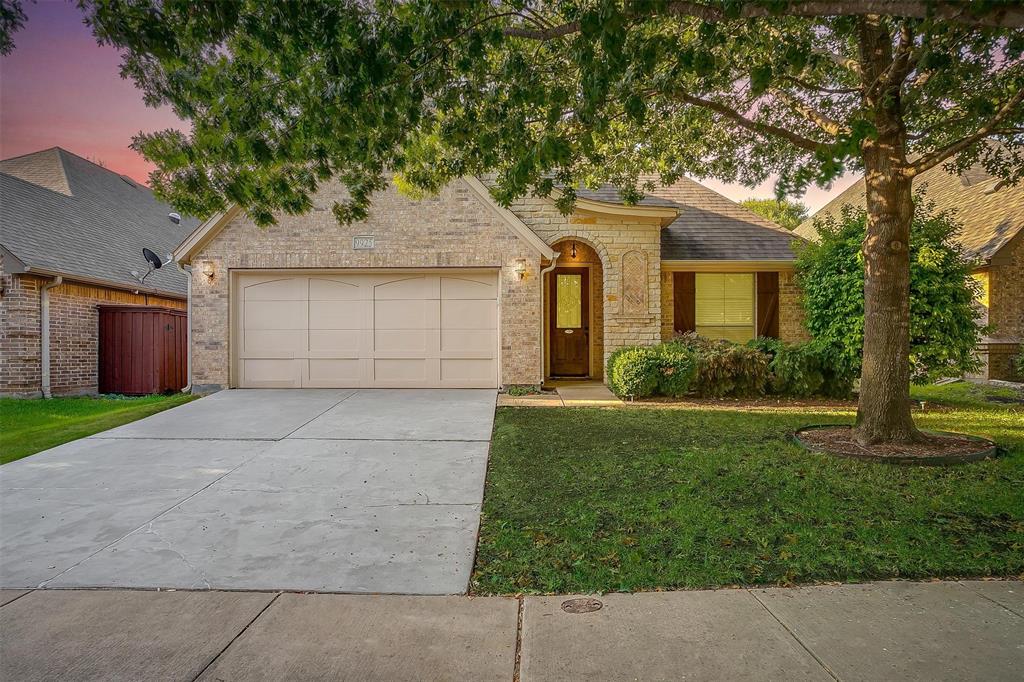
x,y
569,297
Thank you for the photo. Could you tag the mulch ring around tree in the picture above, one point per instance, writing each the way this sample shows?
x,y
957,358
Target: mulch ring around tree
x,y
937,448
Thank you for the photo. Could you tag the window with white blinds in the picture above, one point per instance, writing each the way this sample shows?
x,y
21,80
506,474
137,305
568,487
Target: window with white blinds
x,y
725,305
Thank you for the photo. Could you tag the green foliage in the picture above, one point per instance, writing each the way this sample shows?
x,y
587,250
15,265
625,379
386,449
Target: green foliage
x,y
633,371
281,96
516,390
801,370
677,368
788,214
1018,364
726,369
943,313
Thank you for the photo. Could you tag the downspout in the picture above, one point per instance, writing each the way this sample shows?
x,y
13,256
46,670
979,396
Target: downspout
x,y
44,337
554,262
187,269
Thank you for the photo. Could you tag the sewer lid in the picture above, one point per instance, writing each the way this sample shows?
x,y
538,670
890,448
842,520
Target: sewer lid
x,y
583,605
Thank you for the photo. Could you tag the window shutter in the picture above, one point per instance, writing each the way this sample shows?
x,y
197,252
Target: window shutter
x,y
768,304
684,295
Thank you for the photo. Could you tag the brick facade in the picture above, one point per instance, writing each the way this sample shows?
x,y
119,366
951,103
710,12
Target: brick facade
x,y
1004,282
457,229
453,229
74,332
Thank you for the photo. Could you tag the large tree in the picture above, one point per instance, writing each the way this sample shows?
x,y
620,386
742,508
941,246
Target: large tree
x,y
283,95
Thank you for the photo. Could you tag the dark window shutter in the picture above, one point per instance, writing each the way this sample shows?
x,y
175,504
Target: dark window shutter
x,y
684,295
768,304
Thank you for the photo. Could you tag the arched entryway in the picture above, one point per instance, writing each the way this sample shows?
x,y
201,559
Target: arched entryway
x,y
574,313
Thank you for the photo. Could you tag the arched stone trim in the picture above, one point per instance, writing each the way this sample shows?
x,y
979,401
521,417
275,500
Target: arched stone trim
x,y
589,240
634,284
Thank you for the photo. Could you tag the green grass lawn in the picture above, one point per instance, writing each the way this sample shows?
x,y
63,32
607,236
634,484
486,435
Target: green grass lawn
x,y
28,426
595,500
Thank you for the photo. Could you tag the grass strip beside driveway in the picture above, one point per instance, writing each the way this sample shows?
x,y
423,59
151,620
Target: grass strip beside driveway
x,y
30,426
594,500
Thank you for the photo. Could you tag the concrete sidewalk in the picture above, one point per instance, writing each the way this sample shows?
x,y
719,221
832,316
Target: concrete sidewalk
x,y
880,631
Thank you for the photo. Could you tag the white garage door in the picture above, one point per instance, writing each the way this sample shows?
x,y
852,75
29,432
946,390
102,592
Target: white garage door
x,y
383,330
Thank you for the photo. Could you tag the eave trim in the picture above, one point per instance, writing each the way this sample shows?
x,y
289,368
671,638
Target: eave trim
x,y
202,235
727,265
663,214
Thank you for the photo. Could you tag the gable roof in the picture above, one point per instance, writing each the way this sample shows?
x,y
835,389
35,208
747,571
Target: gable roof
x,y
204,233
708,226
64,215
992,215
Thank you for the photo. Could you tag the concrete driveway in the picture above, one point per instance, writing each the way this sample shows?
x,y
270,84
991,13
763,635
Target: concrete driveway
x,y
318,490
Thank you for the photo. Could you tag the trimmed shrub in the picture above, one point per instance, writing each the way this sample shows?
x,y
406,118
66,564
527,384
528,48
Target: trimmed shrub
x,y
677,367
726,369
633,371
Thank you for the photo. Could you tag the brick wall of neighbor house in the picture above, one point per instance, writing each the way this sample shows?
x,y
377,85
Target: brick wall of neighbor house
x,y
625,323
1005,312
791,312
74,330
453,229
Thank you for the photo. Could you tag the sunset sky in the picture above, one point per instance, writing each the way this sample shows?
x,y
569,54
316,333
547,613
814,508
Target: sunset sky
x,y
59,88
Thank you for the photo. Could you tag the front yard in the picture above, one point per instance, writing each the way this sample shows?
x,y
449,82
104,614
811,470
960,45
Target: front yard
x,y
29,426
595,500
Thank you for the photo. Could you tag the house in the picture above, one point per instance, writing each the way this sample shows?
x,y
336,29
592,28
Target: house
x,y
71,233
457,291
992,214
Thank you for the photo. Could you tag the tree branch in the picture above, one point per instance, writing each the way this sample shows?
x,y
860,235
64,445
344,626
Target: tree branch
x,y
796,139
811,115
938,156
1008,15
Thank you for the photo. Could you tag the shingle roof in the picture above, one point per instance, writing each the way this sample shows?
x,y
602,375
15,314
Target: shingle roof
x,y
709,226
991,215
64,214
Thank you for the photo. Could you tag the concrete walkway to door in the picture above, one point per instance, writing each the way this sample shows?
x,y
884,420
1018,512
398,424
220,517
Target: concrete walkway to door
x,y
314,490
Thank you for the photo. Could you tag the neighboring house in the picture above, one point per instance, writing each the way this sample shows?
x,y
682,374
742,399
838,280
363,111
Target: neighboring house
x,y
456,291
993,218
68,222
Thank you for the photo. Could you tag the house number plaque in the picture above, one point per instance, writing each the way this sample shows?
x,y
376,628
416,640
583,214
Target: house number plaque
x,y
363,242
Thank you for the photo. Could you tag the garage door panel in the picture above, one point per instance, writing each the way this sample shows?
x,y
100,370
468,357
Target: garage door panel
x,y
375,329
469,286
331,372
406,287
339,342
274,343
277,289
337,315
405,314
469,340
333,289
412,371
469,314
274,315
405,340
468,370
271,373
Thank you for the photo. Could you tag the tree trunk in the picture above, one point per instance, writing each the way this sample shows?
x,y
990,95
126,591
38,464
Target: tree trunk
x,y
883,413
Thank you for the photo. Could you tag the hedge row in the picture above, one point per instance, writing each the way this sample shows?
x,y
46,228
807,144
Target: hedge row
x,y
693,365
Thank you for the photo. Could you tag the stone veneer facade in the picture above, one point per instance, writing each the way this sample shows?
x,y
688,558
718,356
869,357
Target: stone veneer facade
x,y
74,333
457,229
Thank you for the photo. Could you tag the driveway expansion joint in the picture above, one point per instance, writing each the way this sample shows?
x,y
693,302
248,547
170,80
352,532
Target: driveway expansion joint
x,y
792,634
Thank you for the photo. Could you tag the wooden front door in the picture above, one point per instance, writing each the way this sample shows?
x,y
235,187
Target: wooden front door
x,y
569,310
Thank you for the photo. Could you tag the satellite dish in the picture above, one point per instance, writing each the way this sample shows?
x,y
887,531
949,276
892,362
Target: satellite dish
x,y
155,263
154,260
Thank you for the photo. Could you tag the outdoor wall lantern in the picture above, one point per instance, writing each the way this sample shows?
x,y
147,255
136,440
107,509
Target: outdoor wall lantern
x,y
520,268
208,271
